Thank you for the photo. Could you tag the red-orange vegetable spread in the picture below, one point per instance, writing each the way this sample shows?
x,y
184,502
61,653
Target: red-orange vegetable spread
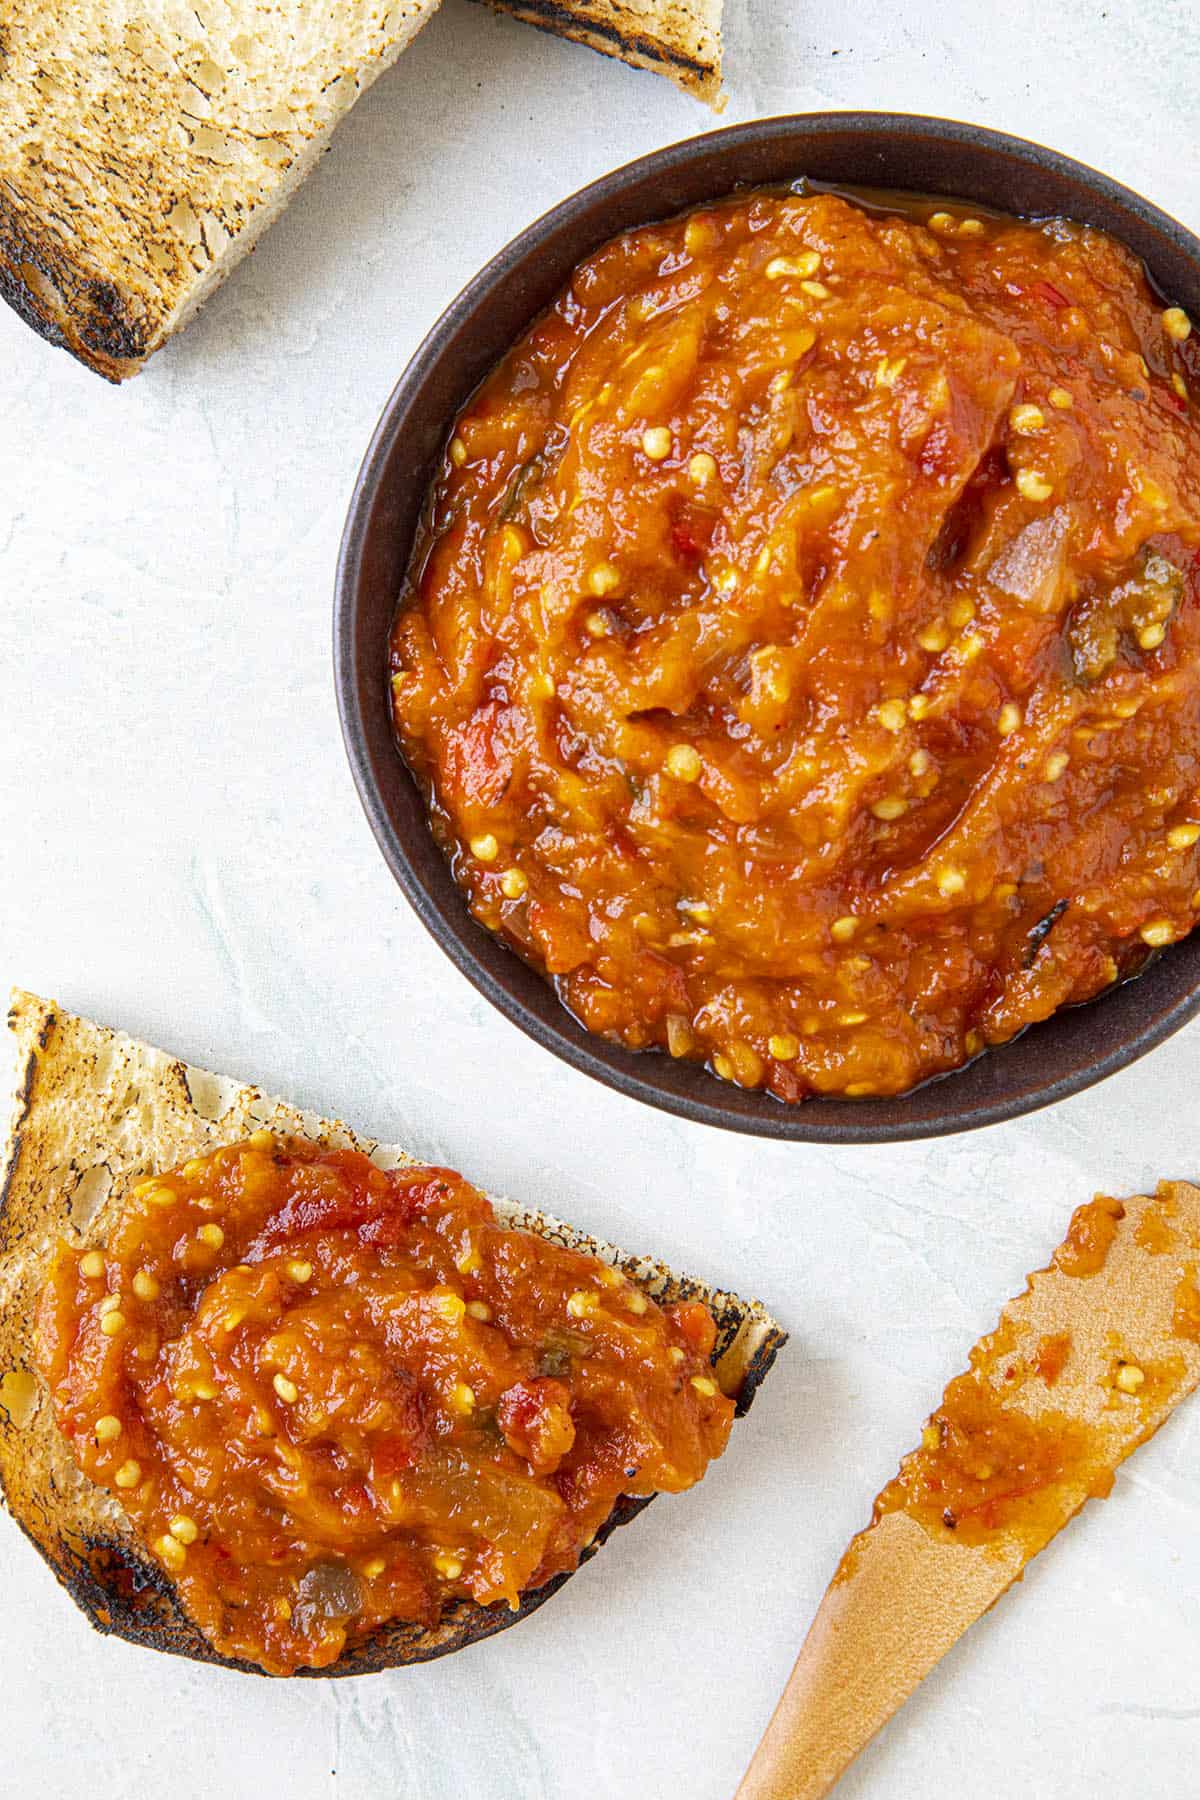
x,y
801,651
984,1467
999,1461
329,1397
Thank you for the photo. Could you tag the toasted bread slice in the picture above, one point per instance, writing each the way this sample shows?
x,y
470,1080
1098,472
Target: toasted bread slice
x,y
95,1112
143,152
1083,1367
677,38
142,157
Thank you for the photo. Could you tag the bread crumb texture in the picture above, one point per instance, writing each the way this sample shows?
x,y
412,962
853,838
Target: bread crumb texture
x,y
143,149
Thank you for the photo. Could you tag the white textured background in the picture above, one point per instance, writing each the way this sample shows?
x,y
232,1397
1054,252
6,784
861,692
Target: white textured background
x,y
182,854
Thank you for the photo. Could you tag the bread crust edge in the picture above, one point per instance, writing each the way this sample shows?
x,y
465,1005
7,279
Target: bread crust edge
x,y
639,49
83,314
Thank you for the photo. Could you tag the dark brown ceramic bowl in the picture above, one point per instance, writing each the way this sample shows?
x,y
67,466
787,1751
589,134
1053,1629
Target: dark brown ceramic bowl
x,y
1076,1047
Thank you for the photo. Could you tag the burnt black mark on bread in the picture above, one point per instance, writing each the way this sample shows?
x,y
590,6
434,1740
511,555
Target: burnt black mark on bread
x,y
757,1370
565,21
104,333
17,295
110,330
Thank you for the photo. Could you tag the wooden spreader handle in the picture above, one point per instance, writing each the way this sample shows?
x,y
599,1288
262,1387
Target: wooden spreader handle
x,y
877,1634
905,1592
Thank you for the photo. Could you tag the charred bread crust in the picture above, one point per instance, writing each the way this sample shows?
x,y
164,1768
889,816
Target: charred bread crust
x,y
88,317
682,47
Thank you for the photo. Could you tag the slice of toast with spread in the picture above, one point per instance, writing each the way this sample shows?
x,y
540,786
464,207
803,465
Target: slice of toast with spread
x,y
95,1112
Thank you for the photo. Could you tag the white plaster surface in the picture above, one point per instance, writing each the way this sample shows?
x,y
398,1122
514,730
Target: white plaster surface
x,y
183,855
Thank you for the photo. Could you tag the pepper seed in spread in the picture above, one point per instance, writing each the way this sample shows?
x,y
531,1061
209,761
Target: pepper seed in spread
x,y
799,655
329,1397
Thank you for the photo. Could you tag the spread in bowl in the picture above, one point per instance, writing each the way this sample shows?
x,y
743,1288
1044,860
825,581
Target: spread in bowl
x,y
329,1397
799,650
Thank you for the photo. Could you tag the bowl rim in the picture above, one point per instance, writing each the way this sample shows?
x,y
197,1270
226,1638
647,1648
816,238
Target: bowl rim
x,y
631,1073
